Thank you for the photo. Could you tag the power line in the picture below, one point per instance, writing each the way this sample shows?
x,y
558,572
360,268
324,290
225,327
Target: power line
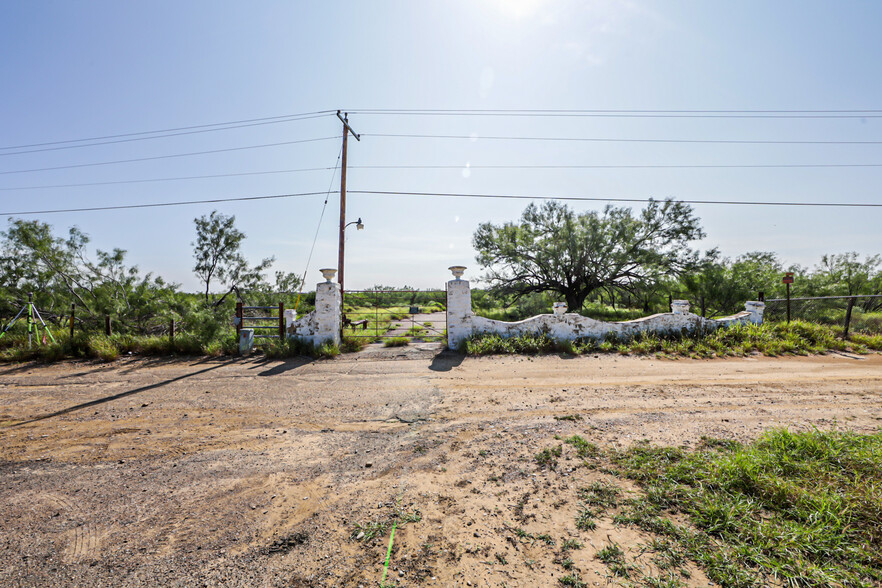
x,y
317,228
457,167
857,113
868,113
173,129
443,195
149,180
611,199
160,204
622,166
23,171
162,136
612,140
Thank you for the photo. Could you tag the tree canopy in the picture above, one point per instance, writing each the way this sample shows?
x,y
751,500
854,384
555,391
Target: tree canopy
x,y
554,249
59,271
218,254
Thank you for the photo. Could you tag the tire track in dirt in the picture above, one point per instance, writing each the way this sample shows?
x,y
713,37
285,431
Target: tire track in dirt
x,y
82,542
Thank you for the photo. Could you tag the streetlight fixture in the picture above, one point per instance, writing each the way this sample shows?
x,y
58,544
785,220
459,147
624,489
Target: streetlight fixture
x,y
358,225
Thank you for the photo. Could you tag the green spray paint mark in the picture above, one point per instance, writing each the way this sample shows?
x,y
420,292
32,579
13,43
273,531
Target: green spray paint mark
x,y
388,554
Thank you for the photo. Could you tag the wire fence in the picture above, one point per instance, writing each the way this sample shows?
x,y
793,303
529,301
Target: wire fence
x,y
856,314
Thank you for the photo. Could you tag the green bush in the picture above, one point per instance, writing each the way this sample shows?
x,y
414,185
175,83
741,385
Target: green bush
x,y
796,338
293,347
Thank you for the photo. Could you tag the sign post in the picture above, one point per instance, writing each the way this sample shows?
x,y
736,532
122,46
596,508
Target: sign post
x,y
788,279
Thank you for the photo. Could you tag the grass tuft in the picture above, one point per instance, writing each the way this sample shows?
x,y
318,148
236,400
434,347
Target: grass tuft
x,y
802,509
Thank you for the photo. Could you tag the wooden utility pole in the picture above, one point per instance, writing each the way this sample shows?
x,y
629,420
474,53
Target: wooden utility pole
x,y
340,252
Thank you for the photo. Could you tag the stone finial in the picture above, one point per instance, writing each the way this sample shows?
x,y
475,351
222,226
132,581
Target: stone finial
x,y
457,270
680,306
559,308
328,273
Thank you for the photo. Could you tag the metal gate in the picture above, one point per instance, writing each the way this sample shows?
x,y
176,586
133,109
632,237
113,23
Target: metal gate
x,y
249,317
389,315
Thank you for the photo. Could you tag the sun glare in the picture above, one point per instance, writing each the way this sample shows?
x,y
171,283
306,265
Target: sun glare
x,y
519,8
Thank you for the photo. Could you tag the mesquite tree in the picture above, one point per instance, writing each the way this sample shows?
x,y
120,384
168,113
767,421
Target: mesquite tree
x,y
554,249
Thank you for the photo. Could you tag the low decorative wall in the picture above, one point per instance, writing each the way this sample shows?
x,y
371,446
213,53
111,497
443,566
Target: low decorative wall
x,y
322,325
462,322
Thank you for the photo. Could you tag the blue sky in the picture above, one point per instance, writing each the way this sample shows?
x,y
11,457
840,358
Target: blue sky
x,y
78,70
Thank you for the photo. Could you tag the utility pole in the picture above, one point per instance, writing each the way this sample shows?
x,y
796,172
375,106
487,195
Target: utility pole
x,y
346,130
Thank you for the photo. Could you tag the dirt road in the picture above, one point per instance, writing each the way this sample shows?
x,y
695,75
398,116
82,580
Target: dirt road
x,y
251,473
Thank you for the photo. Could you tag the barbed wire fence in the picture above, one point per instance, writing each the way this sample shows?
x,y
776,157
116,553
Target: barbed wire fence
x,y
859,313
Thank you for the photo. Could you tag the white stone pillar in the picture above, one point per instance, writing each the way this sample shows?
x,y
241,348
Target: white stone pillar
x,y
680,306
756,310
328,311
459,309
290,317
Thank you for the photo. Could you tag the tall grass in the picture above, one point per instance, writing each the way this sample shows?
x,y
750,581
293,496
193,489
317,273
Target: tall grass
x,y
796,338
293,347
802,509
100,346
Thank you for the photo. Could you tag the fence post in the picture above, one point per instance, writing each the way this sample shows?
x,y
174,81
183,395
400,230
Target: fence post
x,y
30,316
281,321
107,330
847,317
761,296
73,310
788,304
171,332
239,314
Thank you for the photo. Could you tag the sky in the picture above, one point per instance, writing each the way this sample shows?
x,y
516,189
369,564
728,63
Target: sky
x,y
80,70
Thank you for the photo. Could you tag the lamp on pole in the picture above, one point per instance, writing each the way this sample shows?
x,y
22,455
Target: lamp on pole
x,y
358,224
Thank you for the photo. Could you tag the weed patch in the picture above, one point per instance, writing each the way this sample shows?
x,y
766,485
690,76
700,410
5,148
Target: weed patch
x,y
772,339
547,458
802,508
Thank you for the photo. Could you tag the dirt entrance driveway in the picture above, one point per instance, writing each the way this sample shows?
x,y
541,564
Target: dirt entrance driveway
x,y
242,472
433,325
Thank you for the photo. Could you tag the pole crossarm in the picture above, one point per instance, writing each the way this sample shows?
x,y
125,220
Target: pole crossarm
x,y
345,120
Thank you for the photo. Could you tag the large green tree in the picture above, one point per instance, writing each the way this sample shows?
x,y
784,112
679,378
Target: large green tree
x,y
554,249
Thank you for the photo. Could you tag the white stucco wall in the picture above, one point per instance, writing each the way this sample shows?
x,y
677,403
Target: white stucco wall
x,y
324,323
462,322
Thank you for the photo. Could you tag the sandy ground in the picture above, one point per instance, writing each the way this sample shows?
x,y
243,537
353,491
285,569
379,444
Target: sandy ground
x,y
243,472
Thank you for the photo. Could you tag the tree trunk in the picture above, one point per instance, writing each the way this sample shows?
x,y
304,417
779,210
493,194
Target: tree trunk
x,y
575,301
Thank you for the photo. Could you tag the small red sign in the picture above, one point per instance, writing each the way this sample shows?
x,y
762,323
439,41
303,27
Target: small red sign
x,y
788,278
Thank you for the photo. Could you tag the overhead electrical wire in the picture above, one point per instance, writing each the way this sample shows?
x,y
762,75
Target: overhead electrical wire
x,y
614,199
621,166
155,157
599,113
160,204
616,140
458,167
149,180
131,139
317,228
448,195
208,127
